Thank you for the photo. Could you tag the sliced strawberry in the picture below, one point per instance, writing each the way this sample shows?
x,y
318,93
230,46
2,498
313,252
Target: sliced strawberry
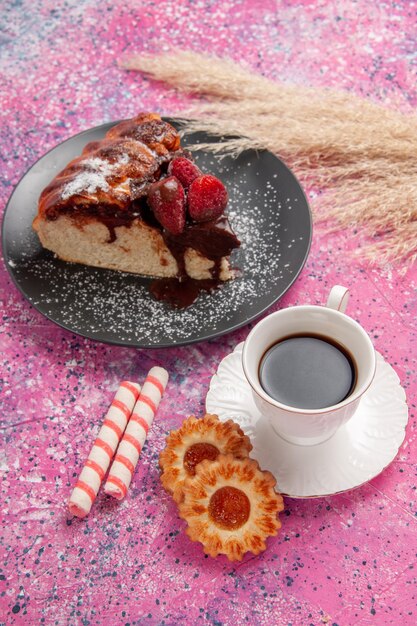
x,y
207,198
185,170
167,201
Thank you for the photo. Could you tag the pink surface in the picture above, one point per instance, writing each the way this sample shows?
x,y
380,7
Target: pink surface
x,y
347,559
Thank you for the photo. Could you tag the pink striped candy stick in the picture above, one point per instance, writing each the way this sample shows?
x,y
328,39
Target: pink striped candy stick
x,y
129,449
111,432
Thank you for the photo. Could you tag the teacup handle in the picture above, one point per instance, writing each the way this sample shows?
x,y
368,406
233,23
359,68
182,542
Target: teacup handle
x,y
338,298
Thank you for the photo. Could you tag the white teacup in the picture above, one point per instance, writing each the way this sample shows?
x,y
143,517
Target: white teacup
x,y
304,426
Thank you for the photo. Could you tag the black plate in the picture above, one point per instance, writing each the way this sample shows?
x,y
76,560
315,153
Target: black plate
x,y
268,211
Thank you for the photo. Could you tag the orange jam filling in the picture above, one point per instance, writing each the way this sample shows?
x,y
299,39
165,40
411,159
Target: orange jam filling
x,y
199,452
229,508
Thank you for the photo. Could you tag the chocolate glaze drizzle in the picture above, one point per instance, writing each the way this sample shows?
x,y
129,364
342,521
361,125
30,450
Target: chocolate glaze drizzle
x,y
213,239
180,293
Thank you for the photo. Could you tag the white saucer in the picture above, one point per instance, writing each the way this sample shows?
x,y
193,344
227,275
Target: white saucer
x,y
359,450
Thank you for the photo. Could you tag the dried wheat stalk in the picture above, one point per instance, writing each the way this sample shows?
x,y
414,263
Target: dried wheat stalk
x,y
360,153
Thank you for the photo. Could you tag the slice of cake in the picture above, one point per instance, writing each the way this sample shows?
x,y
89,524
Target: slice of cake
x,y
136,202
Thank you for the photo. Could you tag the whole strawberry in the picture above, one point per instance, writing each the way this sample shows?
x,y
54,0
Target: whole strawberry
x,y
207,198
167,201
185,170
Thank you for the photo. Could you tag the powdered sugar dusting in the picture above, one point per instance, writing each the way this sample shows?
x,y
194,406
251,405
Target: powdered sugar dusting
x,y
93,177
171,184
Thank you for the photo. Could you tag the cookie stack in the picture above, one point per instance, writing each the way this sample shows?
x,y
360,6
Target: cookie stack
x,y
230,504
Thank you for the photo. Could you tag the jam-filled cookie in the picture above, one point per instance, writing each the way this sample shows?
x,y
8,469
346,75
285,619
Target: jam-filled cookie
x,y
194,441
230,506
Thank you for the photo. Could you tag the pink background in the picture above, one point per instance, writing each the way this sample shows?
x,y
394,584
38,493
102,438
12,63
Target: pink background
x,y
342,560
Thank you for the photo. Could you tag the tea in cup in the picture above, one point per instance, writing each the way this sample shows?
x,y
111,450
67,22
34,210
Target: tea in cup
x,y
308,367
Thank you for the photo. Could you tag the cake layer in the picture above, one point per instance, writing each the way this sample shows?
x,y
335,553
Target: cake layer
x,y
137,248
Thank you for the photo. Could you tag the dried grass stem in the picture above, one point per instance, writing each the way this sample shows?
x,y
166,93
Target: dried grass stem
x,y
359,152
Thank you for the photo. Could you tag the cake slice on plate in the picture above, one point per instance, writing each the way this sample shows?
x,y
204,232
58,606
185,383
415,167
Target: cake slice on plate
x,y
136,202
